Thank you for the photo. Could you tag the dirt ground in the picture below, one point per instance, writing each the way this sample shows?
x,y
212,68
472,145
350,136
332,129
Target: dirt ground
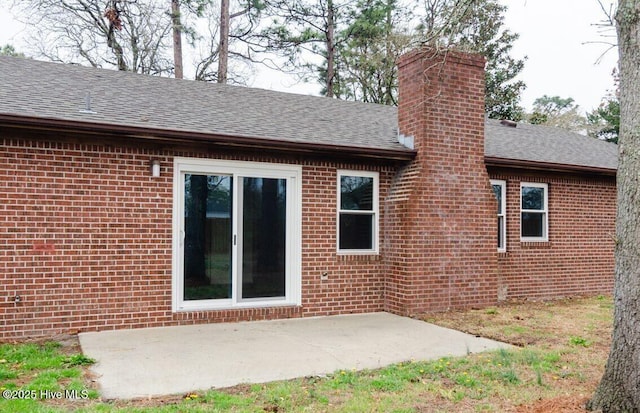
x,y
547,325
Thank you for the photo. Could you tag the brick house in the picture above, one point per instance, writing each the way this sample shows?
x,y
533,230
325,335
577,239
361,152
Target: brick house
x,y
134,201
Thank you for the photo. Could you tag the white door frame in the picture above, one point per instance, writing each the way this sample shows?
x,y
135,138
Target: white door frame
x,y
293,245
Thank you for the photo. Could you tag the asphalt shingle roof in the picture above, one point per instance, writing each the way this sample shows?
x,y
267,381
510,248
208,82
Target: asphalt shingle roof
x,y
49,90
537,143
57,91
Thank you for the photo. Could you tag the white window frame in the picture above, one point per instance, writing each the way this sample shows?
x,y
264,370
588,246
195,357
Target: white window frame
x,y
374,212
544,212
293,251
503,208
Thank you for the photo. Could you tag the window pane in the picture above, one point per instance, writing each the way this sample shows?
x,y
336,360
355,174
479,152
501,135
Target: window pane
x,y
532,198
207,248
356,232
497,191
263,237
532,224
356,193
500,232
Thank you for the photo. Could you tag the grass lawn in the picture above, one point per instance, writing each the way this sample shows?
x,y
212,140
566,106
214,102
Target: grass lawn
x,y
561,349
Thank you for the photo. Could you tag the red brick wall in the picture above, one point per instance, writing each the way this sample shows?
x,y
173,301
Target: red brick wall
x,y
578,259
85,241
442,254
355,283
85,238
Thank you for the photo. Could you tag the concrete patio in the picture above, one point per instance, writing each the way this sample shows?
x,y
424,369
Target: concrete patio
x,y
159,361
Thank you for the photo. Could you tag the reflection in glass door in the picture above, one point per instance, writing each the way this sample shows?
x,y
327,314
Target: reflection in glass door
x,y
207,236
262,229
225,259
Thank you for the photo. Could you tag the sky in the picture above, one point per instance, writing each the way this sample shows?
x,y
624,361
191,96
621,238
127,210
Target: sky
x,y
559,38
562,44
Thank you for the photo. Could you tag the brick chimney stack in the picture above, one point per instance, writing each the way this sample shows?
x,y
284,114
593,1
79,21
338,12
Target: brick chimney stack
x,y
442,228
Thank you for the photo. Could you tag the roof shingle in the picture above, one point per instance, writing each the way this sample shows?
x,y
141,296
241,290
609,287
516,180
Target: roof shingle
x,y
537,143
49,90
56,91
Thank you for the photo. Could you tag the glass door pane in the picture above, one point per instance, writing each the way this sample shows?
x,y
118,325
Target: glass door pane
x,y
207,242
262,237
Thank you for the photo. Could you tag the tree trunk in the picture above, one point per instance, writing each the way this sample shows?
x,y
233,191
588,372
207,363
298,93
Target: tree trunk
x,y
115,23
223,52
619,390
331,50
389,60
177,38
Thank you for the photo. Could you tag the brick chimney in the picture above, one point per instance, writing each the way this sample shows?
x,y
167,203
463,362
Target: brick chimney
x,y
440,220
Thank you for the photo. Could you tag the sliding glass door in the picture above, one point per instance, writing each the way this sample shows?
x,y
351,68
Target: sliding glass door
x,y
262,253
207,236
237,229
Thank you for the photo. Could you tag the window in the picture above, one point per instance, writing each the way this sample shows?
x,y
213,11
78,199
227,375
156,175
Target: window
x,y
357,212
236,234
534,222
499,190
